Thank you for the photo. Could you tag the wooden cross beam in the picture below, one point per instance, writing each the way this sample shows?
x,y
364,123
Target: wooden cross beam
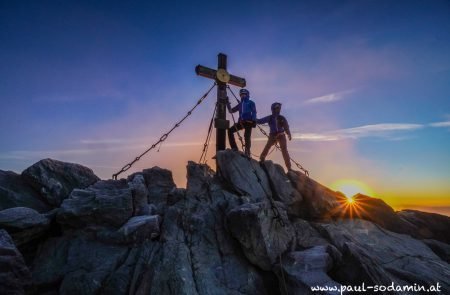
x,y
222,77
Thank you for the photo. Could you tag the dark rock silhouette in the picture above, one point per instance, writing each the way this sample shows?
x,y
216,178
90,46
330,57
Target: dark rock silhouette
x,y
16,192
15,276
249,230
55,179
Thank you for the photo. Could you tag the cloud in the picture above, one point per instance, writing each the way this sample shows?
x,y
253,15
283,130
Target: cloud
x,y
385,130
39,154
440,124
332,97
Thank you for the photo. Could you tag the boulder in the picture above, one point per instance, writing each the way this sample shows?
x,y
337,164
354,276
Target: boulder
x,y
137,229
306,235
428,225
140,195
200,178
377,256
244,176
197,252
88,265
319,202
282,188
159,183
108,203
55,180
308,269
23,224
263,239
49,266
15,278
15,192
377,211
439,248
142,235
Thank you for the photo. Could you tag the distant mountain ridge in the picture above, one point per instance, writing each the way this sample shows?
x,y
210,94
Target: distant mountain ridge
x,y
251,229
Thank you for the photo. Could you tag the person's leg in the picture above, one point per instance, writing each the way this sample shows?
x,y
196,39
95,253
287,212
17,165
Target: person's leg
x,y
231,139
270,142
284,151
247,137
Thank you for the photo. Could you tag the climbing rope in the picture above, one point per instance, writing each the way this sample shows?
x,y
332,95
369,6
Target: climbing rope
x,y
299,166
165,135
208,138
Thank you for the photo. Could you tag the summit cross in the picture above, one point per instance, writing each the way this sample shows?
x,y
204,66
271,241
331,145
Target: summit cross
x,y
222,78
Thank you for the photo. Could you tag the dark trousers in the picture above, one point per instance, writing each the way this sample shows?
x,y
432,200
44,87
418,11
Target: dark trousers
x,y
248,126
281,139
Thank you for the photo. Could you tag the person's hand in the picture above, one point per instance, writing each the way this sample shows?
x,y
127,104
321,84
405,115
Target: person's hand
x,y
290,137
253,124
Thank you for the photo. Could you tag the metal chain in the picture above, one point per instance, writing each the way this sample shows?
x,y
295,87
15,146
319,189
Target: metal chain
x,y
165,135
208,138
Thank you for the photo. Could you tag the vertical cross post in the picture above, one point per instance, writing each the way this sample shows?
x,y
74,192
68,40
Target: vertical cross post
x,y
221,123
222,77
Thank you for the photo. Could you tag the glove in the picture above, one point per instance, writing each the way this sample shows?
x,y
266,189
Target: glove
x,y
289,137
253,124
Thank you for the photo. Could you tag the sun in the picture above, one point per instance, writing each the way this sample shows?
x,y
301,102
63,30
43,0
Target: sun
x,y
351,187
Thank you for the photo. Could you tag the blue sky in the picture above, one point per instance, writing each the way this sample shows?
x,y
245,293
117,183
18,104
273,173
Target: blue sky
x,y
365,85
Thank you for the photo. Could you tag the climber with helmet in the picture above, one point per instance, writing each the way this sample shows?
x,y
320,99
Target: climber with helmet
x,y
278,127
246,121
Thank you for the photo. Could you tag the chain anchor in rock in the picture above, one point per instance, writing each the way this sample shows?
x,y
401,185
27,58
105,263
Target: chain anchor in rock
x,y
165,135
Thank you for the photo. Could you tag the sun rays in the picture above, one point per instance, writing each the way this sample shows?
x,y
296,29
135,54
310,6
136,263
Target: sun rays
x,y
352,198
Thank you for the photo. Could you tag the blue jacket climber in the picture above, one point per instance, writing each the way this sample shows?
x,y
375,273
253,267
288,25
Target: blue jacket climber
x,y
247,120
246,108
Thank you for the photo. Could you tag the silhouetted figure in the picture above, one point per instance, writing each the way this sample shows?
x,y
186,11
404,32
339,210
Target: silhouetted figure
x,y
246,121
278,127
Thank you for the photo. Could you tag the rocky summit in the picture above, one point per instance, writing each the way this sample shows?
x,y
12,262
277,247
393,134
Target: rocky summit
x,y
247,229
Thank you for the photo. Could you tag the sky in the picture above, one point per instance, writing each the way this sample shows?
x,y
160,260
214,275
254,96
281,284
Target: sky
x,y
365,86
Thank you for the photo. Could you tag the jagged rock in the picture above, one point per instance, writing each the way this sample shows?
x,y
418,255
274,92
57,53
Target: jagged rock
x,y
23,224
261,236
140,195
429,225
377,211
200,177
55,179
306,235
218,236
175,195
139,228
15,192
439,248
305,269
15,278
379,257
106,203
244,175
159,183
88,264
197,251
282,188
320,202
49,265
